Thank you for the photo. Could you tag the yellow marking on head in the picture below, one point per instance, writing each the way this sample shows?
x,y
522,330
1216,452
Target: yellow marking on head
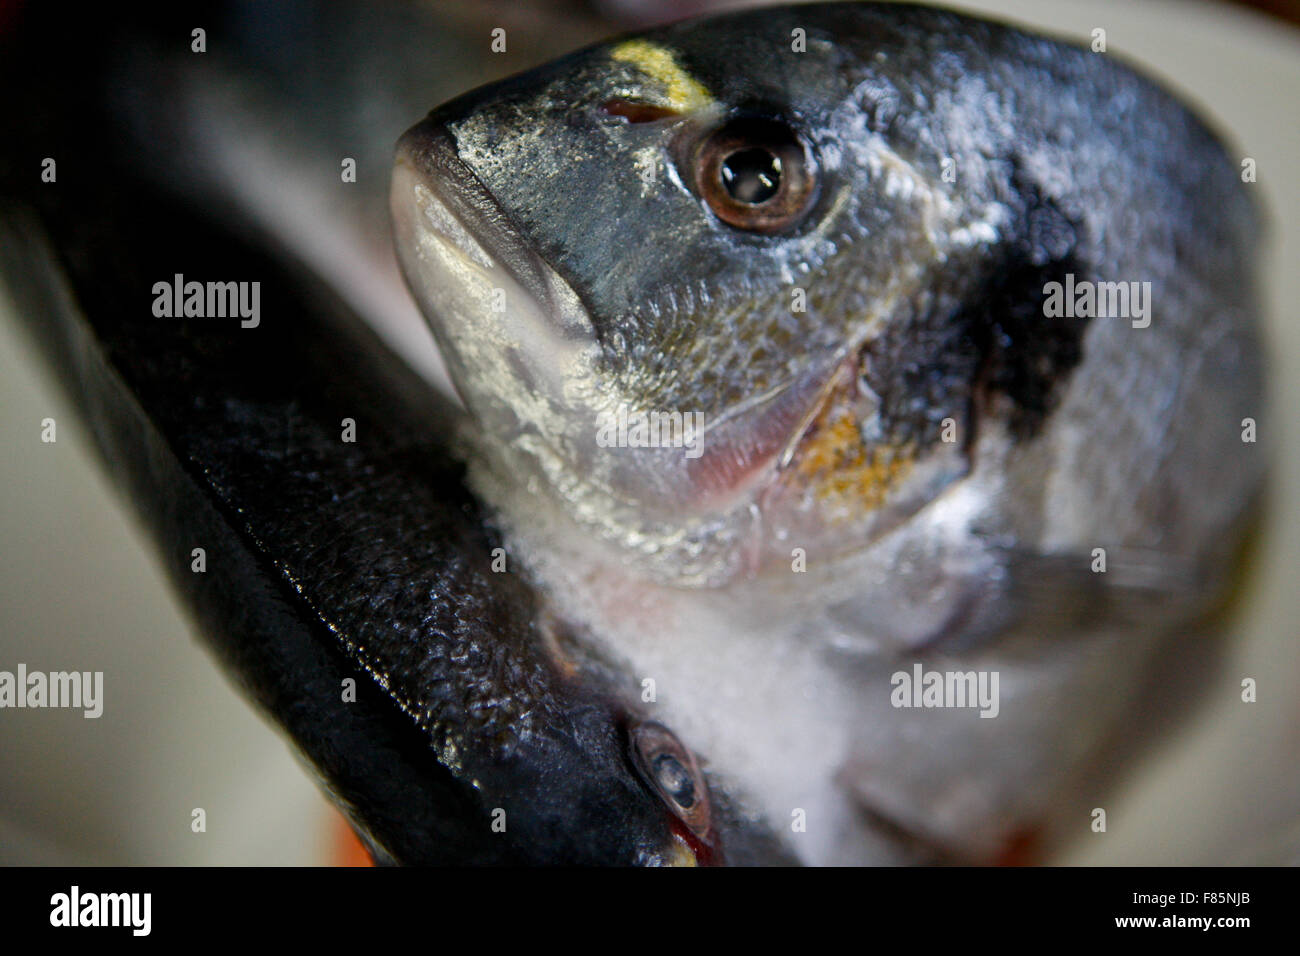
x,y
682,91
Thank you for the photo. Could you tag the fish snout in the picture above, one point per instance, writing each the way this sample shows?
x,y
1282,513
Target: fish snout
x,y
513,332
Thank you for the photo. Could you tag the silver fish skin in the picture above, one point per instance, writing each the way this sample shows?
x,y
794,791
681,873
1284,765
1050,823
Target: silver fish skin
x,y
832,234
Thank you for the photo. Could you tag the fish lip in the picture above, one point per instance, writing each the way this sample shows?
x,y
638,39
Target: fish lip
x,y
514,333
473,221
429,151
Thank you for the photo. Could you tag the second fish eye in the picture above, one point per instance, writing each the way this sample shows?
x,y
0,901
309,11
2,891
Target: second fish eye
x,y
672,772
758,175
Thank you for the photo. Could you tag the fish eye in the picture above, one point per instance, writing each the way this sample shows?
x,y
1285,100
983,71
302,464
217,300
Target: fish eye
x,y
672,772
756,174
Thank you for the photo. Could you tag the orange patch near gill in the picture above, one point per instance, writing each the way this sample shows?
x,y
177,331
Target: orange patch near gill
x,y
841,471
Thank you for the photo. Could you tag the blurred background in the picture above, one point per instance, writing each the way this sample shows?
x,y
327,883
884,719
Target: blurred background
x,y
80,588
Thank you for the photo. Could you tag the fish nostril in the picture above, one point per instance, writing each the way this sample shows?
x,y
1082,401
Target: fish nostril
x,y
637,112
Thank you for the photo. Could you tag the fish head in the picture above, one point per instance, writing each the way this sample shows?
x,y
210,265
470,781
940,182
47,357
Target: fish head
x,y
693,285
817,241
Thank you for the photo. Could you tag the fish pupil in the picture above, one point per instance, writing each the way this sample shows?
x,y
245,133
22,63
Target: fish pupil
x,y
752,175
675,780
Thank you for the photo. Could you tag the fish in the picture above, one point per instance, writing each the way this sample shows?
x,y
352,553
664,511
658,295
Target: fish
x,y
699,691
868,392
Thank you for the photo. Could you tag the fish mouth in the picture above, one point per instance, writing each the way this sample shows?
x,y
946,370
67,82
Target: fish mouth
x,y
496,306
